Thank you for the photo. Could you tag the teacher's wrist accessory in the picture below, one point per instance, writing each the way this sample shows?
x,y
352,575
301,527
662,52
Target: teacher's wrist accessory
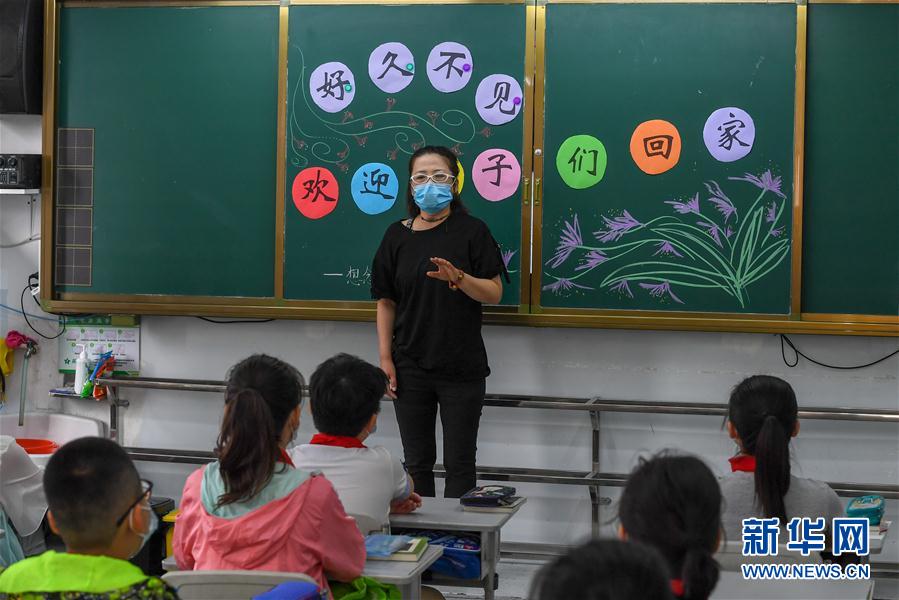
x,y
454,285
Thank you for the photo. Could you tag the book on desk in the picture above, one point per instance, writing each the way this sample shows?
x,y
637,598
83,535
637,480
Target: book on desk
x,y
410,552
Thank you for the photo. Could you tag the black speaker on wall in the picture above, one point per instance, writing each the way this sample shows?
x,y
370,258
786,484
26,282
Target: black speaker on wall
x,y
21,56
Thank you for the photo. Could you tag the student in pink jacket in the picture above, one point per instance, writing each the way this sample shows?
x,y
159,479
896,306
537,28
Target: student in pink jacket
x,y
251,509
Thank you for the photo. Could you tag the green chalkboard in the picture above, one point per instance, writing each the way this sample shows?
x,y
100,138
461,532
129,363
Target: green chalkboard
x,y
328,251
851,208
704,235
182,103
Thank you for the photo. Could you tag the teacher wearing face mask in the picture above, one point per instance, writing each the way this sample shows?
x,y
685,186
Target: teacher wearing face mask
x,y
431,275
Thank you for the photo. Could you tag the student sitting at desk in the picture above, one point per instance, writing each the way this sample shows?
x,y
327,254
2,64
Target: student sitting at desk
x,y
251,509
345,399
101,509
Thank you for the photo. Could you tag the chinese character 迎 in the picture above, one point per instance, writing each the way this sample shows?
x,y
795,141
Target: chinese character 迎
x,y
577,160
806,535
317,187
760,536
730,131
377,179
501,92
850,536
497,167
391,57
333,82
451,58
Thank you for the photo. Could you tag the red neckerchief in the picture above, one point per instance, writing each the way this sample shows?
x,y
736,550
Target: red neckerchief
x,y
677,587
285,458
744,462
341,441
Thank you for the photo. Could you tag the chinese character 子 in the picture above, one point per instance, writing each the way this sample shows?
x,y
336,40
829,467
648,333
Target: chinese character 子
x,y
658,145
577,160
377,179
317,187
450,62
498,166
334,85
850,536
501,92
760,536
390,58
806,535
730,133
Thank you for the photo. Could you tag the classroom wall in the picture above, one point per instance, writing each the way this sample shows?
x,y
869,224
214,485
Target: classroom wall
x,y
672,366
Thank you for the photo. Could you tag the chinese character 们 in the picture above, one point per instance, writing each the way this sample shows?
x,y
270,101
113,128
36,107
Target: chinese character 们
x,y
806,535
850,536
497,168
577,160
760,536
391,57
333,82
378,180
501,92
730,131
317,187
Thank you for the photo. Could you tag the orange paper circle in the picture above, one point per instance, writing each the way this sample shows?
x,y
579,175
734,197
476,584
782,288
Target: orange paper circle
x,y
655,146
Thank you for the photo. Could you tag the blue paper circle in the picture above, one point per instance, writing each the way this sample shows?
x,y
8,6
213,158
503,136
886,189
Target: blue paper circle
x,y
375,188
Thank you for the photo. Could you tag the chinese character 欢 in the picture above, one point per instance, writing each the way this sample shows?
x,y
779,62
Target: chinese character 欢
x,y
730,131
333,82
577,160
391,57
850,536
760,536
501,92
377,180
451,58
806,535
317,187
497,167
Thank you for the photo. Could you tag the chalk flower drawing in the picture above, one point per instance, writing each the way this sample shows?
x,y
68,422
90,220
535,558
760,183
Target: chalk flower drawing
x,y
728,249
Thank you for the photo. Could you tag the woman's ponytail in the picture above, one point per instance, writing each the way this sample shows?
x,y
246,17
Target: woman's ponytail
x,y
772,468
699,574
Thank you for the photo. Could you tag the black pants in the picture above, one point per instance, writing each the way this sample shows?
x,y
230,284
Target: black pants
x,y
419,396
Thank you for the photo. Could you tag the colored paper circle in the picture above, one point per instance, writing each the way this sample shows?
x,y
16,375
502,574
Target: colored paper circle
x,y
496,174
332,86
375,188
315,192
391,67
498,99
729,134
460,180
655,146
449,67
581,161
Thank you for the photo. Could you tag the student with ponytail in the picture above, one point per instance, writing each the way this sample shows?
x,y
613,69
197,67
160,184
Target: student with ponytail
x,y
251,509
673,504
762,418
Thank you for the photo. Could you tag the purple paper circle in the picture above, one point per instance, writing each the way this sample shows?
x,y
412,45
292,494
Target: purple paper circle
x,y
449,67
729,134
332,86
495,98
391,67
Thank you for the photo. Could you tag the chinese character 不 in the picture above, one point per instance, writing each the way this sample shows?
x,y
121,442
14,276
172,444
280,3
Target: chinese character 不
x,y
451,58
391,57
806,535
377,180
333,82
501,92
730,131
498,166
760,536
577,160
850,536
317,187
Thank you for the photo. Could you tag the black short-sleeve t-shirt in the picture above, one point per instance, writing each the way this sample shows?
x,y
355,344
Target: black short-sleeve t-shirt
x,y
436,329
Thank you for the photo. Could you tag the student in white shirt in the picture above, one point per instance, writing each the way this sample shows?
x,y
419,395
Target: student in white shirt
x,y
345,399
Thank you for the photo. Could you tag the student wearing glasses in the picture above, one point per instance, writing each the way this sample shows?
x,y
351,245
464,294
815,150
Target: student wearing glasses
x,y
101,510
431,275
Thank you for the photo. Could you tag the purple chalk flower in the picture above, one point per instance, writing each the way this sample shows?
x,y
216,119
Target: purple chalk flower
x,y
623,288
562,284
507,257
771,214
569,240
777,232
667,249
659,290
765,181
728,232
713,230
720,200
690,206
592,259
617,227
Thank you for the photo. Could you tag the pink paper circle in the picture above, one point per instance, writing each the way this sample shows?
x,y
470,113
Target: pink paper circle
x,y
496,174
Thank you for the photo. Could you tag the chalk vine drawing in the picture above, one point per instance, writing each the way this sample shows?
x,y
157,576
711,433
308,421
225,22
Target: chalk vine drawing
x,y
408,129
702,245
